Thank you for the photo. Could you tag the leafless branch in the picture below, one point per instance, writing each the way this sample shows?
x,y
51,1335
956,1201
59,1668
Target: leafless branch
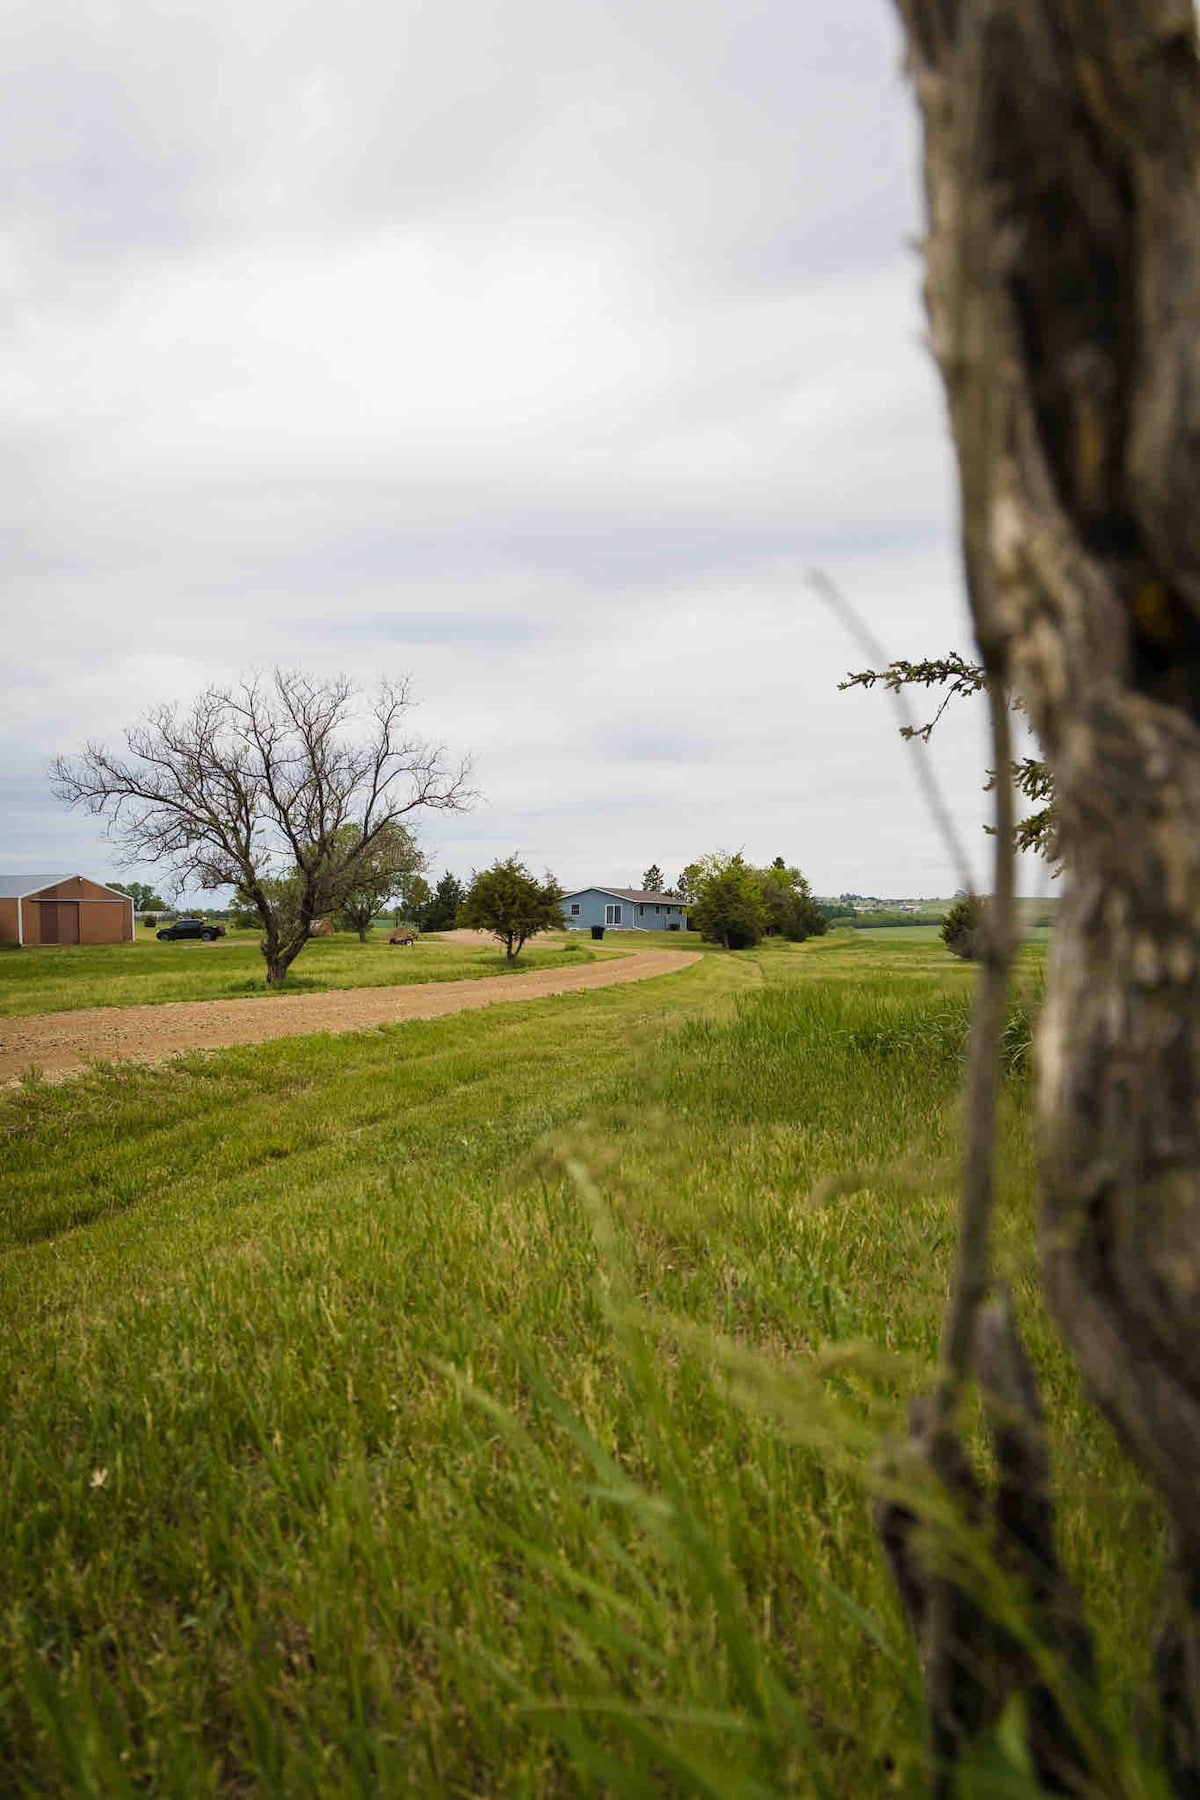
x,y
278,786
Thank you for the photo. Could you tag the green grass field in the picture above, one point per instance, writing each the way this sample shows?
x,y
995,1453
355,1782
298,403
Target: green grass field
x,y
900,935
483,1406
68,977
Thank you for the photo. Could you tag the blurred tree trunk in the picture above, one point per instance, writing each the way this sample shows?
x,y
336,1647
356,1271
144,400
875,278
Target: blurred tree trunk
x,y
1062,150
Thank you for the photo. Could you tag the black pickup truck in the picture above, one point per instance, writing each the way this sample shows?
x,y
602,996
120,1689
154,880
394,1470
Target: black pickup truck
x,y
207,929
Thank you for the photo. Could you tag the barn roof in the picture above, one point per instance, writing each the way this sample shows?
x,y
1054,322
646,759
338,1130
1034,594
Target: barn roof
x,y
15,887
19,887
643,896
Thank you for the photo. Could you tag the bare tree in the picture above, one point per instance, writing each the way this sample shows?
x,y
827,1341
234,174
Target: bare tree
x,y
254,787
1062,156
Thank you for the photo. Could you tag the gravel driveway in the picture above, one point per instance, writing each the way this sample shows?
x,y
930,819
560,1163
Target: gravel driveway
x,y
64,1042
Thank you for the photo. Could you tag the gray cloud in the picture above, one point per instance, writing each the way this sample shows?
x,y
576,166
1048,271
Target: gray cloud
x,y
537,350
405,629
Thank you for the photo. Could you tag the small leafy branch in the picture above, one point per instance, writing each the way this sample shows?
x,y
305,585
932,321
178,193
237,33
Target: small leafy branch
x,y
959,678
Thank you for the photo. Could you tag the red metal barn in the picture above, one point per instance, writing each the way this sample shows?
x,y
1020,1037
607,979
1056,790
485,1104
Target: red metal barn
x,y
62,909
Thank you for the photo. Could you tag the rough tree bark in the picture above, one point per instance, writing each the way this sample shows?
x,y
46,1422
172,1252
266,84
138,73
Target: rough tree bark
x,y
1062,154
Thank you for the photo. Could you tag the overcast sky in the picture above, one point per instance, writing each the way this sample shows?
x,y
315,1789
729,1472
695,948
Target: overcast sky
x,y
534,348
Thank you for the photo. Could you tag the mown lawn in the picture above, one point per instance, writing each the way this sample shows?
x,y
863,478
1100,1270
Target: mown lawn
x,y
482,1406
70,976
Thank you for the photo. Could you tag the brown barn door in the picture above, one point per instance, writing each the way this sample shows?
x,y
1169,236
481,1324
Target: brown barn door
x,y
59,921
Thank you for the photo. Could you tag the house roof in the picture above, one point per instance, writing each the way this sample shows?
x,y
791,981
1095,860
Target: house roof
x,y
642,896
19,887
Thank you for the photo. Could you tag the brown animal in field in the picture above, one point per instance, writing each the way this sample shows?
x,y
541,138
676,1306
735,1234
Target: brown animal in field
x,y
402,936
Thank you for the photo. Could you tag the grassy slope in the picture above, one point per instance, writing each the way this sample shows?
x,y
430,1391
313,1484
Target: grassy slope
x,y
147,973
333,1463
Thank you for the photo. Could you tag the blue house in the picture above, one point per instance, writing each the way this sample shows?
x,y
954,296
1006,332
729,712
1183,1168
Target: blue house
x,y
623,909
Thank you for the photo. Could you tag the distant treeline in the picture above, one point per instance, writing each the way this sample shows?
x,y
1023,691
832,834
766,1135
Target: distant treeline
x,y
842,912
1029,912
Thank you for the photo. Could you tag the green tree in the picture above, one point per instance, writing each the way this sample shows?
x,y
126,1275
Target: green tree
x,y
512,904
654,881
441,912
413,897
380,869
728,908
144,897
243,914
791,910
961,927
689,879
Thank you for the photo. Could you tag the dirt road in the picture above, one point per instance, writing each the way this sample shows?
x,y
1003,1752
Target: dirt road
x,y
62,1043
